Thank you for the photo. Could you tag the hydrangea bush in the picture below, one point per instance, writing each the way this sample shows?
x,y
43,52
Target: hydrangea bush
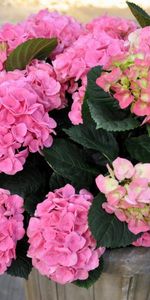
x,y
74,143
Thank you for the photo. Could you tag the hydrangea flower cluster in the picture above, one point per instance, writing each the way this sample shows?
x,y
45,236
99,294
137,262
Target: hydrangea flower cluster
x,y
139,40
127,76
27,96
11,227
61,245
117,28
127,190
143,241
94,47
24,123
45,25
42,78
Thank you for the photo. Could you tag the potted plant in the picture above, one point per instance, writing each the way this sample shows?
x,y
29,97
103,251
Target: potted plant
x,y
75,155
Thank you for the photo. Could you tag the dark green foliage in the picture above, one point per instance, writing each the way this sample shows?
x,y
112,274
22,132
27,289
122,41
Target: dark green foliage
x,y
141,16
22,265
57,181
139,148
21,56
104,109
107,229
69,161
99,140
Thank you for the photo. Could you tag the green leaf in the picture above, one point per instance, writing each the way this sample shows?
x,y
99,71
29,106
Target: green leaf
x,y
100,160
25,182
57,181
61,118
142,17
29,183
106,228
67,160
139,148
85,110
99,140
104,109
22,183
31,200
93,276
39,48
148,129
22,265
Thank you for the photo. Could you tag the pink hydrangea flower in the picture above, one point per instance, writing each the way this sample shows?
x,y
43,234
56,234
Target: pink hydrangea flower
x,y
117,28
61,245
127,192
93,47
11,227
106,184
142,170
87,52
24,123
123,168
42,78
75,114
53,24
143,241
3,54
127,76
43,24
12,35
139,40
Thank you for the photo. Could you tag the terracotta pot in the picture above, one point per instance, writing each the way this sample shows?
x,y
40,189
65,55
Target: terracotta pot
x,y
126,276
